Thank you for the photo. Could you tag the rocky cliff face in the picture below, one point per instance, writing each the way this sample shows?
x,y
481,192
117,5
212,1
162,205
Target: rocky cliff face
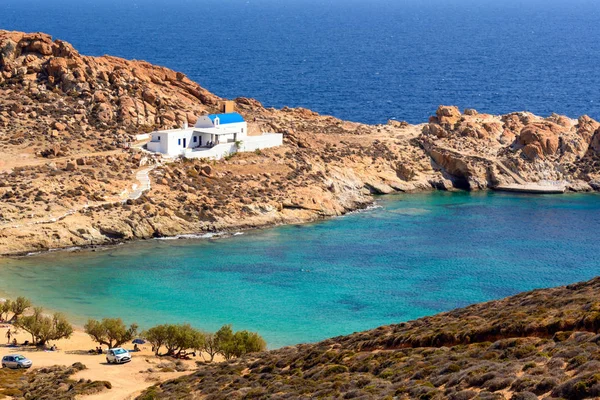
x,y
480,150
114,91
68,168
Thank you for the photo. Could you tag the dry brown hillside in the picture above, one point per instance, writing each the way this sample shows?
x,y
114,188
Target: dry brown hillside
x,y
540,344
71,172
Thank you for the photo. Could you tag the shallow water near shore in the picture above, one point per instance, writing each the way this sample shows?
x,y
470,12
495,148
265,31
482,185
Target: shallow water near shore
x,y
415,255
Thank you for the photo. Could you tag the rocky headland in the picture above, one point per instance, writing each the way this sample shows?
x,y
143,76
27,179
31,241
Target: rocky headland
x,y
71,170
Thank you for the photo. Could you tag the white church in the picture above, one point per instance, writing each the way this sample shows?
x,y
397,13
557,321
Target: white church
x,y
213,136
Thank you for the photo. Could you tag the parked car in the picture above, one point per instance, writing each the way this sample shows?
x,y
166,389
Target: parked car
x,y
15,361
117,356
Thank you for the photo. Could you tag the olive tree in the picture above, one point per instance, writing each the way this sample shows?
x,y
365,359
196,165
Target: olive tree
x,y
5,308
182,337
19,306
224,339
175,338
110,331
248,342
43,328
157,336
231,344
211,346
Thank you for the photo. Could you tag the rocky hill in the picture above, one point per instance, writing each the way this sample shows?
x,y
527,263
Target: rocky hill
x,y
71,169
540,344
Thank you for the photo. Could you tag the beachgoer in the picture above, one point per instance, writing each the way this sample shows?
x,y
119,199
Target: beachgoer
x,y
135,347
8,334
53,348
14,342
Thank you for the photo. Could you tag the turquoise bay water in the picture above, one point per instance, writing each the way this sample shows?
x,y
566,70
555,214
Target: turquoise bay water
x,y
415,255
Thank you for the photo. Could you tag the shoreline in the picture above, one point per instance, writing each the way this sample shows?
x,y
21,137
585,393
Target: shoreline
x,y
229,233
225,234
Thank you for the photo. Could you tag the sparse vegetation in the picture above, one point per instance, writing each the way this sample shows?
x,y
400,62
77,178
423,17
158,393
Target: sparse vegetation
x,y
48,383
111,332
180,338
43,328
545,343
231,344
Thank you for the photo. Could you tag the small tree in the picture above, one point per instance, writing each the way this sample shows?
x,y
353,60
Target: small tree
x,y
224,341
248,342
237,344
182,337
5,308
19,306
110,331
43,328
157,336
211,346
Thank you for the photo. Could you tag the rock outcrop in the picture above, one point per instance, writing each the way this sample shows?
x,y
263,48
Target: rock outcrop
x,y
69,157
127,93
532,148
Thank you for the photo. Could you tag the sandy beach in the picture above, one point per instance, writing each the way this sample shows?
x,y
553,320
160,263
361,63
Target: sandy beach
x,y
127,380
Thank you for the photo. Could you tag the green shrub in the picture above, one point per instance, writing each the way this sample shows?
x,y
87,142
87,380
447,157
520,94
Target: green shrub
x,y
335,369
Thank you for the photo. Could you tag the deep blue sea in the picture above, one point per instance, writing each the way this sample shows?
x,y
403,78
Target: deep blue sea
x,y
416,255
362,60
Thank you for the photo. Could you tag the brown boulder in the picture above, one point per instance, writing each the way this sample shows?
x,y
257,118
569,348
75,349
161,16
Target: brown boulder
x,y
64,49
169,116
149,96
493,128
542,135
248,102
100,97
507,137
104,113
59,126
470,129
57,67
586,127
595,142
533,151
513,122
398,124
206,170
560,120
435,130
41,47
127,110
191,118
448,115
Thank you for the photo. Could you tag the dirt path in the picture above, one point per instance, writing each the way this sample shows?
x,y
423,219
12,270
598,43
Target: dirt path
x,y
11,161
143,178
143,185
